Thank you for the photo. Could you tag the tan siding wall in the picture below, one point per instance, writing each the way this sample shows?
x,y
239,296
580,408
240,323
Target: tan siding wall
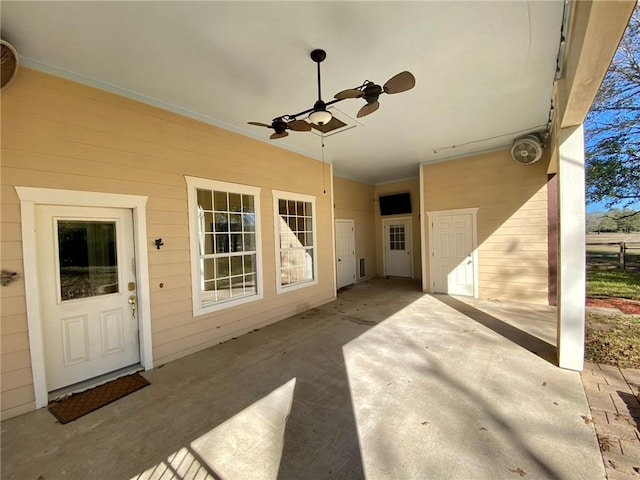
x,y
60,134
354,200
413,187
512,220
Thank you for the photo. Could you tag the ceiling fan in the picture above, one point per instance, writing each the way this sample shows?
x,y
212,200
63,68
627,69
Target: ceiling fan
x,y
281,126
319,115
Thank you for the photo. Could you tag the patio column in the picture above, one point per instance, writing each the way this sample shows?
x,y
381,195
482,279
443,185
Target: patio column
x,y
571,248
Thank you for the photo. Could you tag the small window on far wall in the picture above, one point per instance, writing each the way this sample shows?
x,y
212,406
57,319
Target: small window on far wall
x,y
224,230
296,247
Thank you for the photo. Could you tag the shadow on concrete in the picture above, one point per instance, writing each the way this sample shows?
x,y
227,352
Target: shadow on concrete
x,y
633,406
529,342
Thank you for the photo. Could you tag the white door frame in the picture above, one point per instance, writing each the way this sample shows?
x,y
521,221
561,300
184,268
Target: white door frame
x,y
351,222
29,199
474,243
409,237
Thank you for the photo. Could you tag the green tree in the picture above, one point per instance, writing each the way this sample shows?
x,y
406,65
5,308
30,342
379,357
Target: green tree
x,y
612,128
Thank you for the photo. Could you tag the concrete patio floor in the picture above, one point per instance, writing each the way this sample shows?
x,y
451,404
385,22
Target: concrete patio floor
x,y
384,383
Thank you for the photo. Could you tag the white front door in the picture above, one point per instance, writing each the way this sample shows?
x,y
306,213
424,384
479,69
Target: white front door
x,y
453,262
397,247
86,278
345,253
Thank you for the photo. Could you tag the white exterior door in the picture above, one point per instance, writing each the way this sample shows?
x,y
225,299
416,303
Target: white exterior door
x,y
86,279
397,247
345,253
452,255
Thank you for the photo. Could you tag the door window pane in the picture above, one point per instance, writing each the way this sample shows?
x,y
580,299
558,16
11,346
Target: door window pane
x,y
88,259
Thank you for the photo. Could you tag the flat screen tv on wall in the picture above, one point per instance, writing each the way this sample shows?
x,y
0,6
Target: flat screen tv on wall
x,y
395,204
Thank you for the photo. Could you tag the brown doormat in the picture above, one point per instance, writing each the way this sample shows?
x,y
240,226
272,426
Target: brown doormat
x,y
74,406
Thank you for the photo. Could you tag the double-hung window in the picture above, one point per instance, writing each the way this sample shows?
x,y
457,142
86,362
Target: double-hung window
x,y
224,228
296,248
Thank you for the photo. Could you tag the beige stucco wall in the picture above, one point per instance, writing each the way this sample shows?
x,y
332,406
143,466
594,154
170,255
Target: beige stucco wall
x,y
63,135
413,187
512,220
354,200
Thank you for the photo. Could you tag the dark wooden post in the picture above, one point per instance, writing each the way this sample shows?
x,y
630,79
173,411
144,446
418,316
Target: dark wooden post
x,y
623,247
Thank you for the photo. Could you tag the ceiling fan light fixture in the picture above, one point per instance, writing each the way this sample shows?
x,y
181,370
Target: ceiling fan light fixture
x,y
320,117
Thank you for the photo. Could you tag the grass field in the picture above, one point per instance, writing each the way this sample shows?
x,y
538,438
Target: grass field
x,y
613,339
604,276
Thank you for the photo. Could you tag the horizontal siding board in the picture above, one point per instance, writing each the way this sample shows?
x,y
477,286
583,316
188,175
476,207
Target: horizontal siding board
x,y
11,250
16,378
18,397
165,296
170,282
14,342
13,324
13,305
162,256
70,181
13,290
39,162
15,361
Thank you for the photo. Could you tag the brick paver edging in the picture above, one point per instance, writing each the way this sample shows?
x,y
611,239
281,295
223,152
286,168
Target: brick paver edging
x,y
614,399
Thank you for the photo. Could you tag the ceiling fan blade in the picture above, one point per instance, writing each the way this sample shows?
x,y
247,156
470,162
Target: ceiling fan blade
x,y
259,124
275,136
349,93
367,109
299,126
400,83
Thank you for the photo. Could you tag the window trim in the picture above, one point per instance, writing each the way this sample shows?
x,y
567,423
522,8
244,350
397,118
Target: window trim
x,y
193,184
299,197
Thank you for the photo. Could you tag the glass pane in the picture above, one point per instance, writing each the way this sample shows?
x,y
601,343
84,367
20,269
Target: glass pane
x,y
222,243
250,283
222,267
301,224
235,222
208,269
204,199
282,207
236,242
237,286
308,210
249,220
208,222
235,202
308,224
301,239
292,207
220,199
309,240
222,223
247,204
222,289
249,264
300,209
236,265
249,242
88,259
208,244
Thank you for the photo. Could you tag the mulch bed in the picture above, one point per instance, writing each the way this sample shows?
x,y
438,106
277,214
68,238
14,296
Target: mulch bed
x,y
629,307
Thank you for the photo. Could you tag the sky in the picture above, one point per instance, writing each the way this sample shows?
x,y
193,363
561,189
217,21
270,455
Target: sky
x,y
600,207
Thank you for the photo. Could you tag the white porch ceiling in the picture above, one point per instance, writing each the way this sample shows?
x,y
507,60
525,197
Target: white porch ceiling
x,y
484,70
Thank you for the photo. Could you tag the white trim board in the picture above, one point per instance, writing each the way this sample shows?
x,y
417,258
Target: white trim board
x,y
29,198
